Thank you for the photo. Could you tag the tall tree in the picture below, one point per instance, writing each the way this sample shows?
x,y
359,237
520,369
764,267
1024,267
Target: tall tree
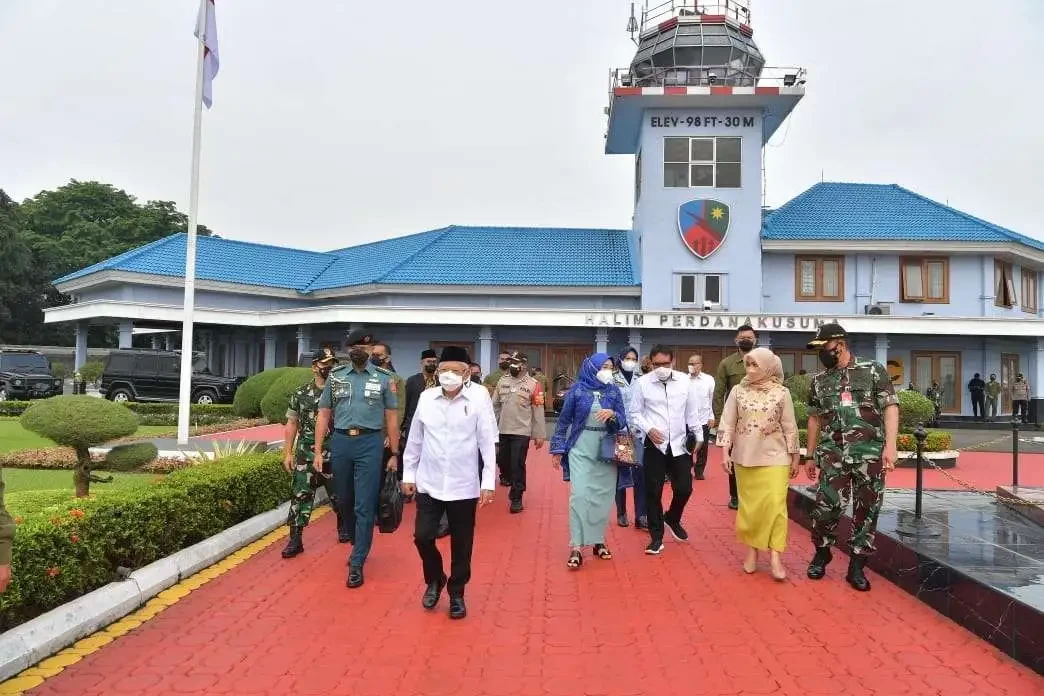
x,y
15,263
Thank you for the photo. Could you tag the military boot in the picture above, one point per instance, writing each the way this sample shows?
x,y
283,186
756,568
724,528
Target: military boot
x,y
294,546
817,568
856,578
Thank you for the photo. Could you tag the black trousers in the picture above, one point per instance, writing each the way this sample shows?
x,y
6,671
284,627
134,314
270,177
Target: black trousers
x,y
1020,407
461,514
657,465
978,405
512,462
701,454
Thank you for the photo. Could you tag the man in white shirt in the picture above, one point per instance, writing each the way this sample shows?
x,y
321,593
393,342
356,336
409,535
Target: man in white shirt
x,y
666,406
705,393
449,463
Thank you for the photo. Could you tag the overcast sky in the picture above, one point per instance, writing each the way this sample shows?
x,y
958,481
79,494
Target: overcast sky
x,y
341,122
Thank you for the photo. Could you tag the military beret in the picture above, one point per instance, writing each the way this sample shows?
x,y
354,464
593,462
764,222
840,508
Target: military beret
x,y
826,333
359,337
324,356
518,358
429,354
454,354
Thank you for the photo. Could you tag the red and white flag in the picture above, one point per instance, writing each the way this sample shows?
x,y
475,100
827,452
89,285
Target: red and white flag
x,y
207,23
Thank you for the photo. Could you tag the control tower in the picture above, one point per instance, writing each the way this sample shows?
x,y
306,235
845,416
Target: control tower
x,y
695,108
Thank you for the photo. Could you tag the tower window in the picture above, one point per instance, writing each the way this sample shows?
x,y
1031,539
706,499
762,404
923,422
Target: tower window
x,y
701,162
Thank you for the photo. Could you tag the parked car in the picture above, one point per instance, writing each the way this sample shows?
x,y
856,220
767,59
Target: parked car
x,y
155,375
26,374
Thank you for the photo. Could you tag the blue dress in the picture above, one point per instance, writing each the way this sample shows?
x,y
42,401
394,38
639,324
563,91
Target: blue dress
x,y
593,483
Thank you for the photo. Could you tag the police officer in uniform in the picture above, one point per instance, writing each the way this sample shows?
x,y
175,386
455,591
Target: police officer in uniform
x,y
518,402
853,421
299,454
359,402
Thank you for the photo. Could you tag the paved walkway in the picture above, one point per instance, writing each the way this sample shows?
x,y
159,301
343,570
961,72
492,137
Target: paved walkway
x,y
687,622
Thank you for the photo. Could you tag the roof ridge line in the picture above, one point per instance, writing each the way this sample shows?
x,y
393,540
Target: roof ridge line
x,y
1011,234
306,289
259,244
110,262
439,234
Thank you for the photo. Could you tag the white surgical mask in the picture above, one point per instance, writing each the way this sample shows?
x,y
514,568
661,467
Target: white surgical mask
x,y
662,373
605,376
692,369
450,380
629,365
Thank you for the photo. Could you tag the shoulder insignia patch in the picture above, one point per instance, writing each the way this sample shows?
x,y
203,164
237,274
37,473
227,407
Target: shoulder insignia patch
x,y
393,386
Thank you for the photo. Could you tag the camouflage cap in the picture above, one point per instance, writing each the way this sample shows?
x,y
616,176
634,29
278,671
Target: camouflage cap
x,y
359,337
826,333
324,357
518,358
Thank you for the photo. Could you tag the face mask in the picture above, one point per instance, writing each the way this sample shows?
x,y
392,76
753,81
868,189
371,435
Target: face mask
x,y
429,368
629,365
605,376
514,371
377,360
358,356
451,381
829,358
692,369
746,345
324,372
662,373
475,379
505,365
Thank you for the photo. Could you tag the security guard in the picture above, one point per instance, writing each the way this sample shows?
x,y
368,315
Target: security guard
x,y
360,400
731,372
299,454
853,421
518,402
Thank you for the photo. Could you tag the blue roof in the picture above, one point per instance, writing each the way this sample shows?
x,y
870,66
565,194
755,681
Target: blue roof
x,y
882,212
476,255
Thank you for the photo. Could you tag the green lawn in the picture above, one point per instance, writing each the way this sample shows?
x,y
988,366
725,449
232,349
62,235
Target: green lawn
x,y
45,479
14,437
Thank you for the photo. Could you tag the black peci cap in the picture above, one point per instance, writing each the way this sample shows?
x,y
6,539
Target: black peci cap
x,y
454,354
429,354
826,333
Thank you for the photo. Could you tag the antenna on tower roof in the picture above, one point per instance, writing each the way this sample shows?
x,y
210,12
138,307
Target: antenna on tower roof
x,y
632,24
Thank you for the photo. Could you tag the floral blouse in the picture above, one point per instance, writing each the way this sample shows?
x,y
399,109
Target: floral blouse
x,y
758,426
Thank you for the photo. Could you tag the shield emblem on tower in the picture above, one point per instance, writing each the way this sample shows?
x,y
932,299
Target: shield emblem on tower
x,y
703,224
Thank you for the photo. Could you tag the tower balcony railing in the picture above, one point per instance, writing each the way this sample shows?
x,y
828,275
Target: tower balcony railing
x,y
656,14
707,76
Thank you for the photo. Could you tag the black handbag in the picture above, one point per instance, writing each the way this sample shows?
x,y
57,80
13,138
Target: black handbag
x,y
390,504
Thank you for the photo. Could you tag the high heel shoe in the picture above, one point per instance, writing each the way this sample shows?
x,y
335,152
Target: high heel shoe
x,y
777,569
750,564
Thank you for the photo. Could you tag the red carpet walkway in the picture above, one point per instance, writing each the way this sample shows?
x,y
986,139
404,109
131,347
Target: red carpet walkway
x,y
687,622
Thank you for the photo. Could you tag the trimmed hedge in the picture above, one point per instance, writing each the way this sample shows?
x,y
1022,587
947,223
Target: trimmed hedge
x,y
800,413
799,386
247,401
129,457
937,441
149,413
914,408
68,547
78,421
13,408
273,406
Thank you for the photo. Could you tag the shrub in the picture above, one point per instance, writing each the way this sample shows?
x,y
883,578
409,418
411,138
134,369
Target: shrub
x,y
13,408
79,422
67,547
801,413
129,457
937,441
799,386
247,402
59,370
273,406
91,371
914,408
167,413
47,458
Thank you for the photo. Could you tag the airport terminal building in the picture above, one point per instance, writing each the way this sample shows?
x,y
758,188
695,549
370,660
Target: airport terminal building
x,y
934,292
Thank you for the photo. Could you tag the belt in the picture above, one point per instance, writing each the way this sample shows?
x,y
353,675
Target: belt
x,y
354,432
597,430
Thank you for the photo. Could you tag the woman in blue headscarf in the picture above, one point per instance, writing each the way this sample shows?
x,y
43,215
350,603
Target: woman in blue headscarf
x,y
592,410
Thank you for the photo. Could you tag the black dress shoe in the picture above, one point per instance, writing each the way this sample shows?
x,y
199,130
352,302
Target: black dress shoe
x,y
699,476
734,503
642,523
622,520
355,577
458,610
856,578
432,594
516,507
817,568
295,545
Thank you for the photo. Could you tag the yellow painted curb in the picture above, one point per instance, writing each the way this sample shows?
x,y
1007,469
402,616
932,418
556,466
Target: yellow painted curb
x,y
56,664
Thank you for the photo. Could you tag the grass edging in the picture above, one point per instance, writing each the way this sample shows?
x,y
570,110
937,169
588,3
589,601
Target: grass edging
x,y
26,644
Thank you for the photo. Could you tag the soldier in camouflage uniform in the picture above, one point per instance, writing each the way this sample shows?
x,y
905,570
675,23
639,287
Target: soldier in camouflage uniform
x,y
853,420
299,455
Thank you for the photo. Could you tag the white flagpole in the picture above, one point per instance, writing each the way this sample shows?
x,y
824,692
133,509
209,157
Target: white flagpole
x,y
185,393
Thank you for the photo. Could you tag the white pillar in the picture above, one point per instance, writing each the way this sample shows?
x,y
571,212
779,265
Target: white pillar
x,y
485,360
634,340
168,342
304,341
881,350
601,340
155,342
765,340
126,332
270,348
1036,376
81,345
986,292
210,346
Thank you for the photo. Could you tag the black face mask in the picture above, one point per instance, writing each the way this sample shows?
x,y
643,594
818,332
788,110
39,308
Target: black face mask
x,y
476,379
746,345
829,357
324,372
429,368
377,360
514,371
358,356
504,365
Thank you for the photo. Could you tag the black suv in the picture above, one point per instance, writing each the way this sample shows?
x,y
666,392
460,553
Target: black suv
x,y
26,374
155,375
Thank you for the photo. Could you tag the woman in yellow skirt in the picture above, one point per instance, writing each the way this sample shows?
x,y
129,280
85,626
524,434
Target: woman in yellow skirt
x,y
759,436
